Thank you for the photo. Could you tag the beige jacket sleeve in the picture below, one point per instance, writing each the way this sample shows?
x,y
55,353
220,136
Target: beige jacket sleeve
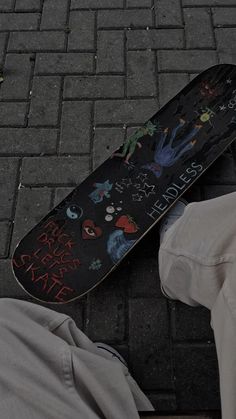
x,y
50,369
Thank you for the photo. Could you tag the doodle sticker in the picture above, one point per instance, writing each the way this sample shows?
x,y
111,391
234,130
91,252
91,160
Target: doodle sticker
x,y
222,108
129,166
132,142
205,115
74,212
111,211
108,217
95,265
122,184
137,197
90,230
207,90
231,103
127,224
119,188
102,190
142,186
126,182
166,155
118,245
142,177
147,189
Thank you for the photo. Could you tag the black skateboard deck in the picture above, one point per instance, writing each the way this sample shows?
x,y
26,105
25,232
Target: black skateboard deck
x,y
86,236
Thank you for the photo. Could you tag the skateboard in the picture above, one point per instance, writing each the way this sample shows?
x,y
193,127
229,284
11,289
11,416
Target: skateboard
x,y
73,248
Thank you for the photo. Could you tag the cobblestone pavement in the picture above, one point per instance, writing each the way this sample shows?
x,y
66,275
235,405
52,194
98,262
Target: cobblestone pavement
x,y
79,75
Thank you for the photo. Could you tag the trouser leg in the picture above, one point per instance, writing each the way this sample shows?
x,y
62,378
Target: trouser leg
x,y
197,263
198,250
223,322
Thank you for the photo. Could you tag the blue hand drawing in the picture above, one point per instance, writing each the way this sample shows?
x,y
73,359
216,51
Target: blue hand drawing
x,y
166,155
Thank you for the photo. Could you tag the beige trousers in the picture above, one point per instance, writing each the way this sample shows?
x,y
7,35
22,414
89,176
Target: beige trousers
x,y
197,262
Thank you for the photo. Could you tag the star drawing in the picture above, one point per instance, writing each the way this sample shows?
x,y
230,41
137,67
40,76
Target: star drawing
x,y
147,189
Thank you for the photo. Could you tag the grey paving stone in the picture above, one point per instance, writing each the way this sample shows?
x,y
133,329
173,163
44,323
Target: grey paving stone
x,y
13,113
208,2
44,103
141,78
138,3
192,76
4,234
141,75
18,21
106,309
9,287
224,16
81,36
124,111
124,18
168,13
155,39
150,351
144,278
190,60
225,39
8,181
75,127
60,194
96,4
110,51
6,5
64,63
33,41
32,205
54,170
17,72
28,5
106,141
196,372
54,14
131,130
214,191
3,42
93,87
27,141
191,323
198,29
164,402
169,85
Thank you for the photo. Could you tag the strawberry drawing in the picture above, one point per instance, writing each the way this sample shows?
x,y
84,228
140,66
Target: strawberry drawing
x,y
127,224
